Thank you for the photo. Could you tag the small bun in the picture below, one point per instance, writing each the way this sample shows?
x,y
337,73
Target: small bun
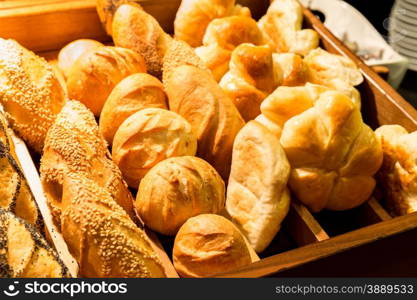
x,y
148,137
135,92
207,245
176,189
96,72
71,52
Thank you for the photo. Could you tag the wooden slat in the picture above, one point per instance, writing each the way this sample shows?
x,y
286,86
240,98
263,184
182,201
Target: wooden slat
x,y
372,212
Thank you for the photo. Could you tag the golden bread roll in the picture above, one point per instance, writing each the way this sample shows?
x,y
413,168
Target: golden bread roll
x,y
257,195
398,176
96,73
25,252
137,30
194,94
30,92
289,69
272,126
101,236
193,17
15,195
148,137
75,146
282,27
332,153
250,79
222,37
135,92
207,245
72,51
177,189
335,71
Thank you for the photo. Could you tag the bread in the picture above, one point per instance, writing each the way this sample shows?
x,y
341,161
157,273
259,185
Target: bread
x,y
207,245
96,73
193,17
250,79
25,252
15,195
177,189
29,92
72,51
397,176
282,27
257,196
101,236
331,70
133,93
194,94
148,137
74,146
106,10
289,69
135,29
222,37
332,153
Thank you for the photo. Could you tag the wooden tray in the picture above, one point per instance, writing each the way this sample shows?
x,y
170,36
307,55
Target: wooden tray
x,y
364,241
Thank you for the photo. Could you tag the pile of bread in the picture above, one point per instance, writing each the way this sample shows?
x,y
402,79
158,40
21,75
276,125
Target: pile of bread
x,y
217,128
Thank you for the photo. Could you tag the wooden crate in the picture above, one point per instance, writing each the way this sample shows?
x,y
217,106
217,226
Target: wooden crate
x,y
365,241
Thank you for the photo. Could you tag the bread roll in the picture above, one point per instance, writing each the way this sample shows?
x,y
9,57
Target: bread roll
x,y
15,195
194,94
29,91
282,25
331,70
257,196
24,251
75,146
207,245
332,153
289,69
72,51
222,37
148,137
96,73
250,79
398,176
135,92
135,29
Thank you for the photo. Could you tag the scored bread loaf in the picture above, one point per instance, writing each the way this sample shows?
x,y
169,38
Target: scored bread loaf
x,y
194,94
257,196
25,252
74,145
30,92
96,72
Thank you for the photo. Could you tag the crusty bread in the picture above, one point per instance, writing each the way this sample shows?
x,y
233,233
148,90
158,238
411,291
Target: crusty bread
x,y
96,73
74,145
177,189
195,95
207,245
332,153
282,25
137,30
135,92
25,252
30,92
250,79
398,176
148,137
223,35
72,51
257,196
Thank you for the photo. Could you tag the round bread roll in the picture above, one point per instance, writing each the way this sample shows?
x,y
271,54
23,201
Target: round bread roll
x,y
148,137
135,92
177,189
71,52
209,244
96,72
